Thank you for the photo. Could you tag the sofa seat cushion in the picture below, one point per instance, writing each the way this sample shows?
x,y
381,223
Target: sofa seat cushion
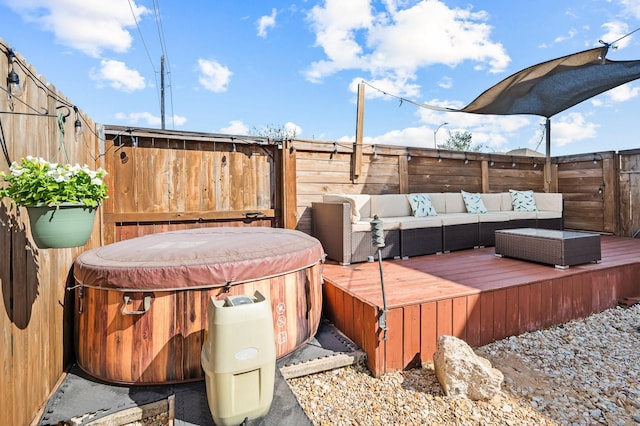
x,y
458,218
364,224
493,217
518,215
546,214
420,222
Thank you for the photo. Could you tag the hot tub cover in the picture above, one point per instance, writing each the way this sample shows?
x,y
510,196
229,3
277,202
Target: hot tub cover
x,y
197,258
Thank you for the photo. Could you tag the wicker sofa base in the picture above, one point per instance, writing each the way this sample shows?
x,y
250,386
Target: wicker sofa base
x,y
362,246
420,241
559,248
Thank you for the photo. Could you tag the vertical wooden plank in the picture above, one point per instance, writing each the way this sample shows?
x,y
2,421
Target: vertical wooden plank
x,y
577,300
328,301
566,301
359,337
393,346
428,337
348,326
411,337
523,309
535,310
486,317
512,316
459,317
372,345
403,172
339,319
499,314
473,320
546,303
444,324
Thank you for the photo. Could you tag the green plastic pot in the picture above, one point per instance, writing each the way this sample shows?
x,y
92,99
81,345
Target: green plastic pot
x,y
61,226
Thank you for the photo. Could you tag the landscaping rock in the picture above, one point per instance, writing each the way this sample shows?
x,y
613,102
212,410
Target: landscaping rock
x,y
463,373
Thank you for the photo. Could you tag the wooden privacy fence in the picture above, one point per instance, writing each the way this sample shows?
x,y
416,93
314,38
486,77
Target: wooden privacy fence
x,y
594,200
167,180
35,344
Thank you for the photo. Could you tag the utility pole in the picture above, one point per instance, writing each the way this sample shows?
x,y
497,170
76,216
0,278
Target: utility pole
x,y
162,90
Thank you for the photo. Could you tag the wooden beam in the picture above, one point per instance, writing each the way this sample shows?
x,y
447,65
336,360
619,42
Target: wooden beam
x,y
356,161
187,216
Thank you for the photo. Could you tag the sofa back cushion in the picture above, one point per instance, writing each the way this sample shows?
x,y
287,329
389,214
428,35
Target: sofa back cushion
x,y
548,201
360,204
505,203
493,202
438,201
454,203
390,205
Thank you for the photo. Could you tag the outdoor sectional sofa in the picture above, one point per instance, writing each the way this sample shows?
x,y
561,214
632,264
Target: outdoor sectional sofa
x,y
342,222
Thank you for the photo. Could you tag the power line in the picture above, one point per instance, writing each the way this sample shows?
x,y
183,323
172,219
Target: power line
x,y
163,46
146,49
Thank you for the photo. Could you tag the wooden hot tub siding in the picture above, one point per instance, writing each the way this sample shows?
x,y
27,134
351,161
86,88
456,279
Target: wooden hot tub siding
x,y
164,344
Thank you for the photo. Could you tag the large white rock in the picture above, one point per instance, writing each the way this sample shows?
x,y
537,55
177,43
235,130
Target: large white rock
x,y
463,373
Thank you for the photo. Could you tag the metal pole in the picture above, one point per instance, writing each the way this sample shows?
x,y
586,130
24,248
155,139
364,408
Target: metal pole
x,y
377,234
436,132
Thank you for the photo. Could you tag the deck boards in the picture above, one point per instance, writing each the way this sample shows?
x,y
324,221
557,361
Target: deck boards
x,y
471,294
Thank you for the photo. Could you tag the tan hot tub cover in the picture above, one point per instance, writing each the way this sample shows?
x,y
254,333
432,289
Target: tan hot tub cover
x,y
197,258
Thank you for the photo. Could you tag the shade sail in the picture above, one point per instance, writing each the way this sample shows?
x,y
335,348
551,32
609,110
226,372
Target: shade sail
x,y
550,87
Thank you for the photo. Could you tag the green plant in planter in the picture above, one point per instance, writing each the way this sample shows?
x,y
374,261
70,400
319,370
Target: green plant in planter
x,y
35,181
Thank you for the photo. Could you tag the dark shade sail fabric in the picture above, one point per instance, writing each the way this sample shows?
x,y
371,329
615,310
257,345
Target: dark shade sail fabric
x,y
550,87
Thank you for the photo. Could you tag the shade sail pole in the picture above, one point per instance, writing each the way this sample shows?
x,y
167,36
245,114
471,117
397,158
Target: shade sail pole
x,y
356,159
547,168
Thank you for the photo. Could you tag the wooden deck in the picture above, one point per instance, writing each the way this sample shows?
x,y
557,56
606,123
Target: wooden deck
x,y
471,294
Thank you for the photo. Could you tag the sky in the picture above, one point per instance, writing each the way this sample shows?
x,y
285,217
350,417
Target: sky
x,y
243,66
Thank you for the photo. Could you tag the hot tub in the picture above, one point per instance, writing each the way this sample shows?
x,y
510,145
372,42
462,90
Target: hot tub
x,y
141,304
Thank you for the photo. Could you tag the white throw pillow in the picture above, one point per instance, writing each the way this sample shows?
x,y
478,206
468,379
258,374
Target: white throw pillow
x,y
421,205
523,201
473,202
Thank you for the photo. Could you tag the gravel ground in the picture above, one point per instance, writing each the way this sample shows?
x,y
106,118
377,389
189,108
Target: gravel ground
x,y
585,372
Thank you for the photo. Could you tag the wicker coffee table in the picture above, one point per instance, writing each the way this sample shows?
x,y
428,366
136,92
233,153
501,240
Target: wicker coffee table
x,y
559,248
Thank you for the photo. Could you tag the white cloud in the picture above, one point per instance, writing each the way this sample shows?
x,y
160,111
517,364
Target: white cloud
x,y
623,93
213,76
292,129
88,25
392,44
118,76
148,119
236,127
266,22
572,127
446,82
632,7
614,31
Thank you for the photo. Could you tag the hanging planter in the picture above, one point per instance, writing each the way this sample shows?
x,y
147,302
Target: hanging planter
x,y
61,199
62,226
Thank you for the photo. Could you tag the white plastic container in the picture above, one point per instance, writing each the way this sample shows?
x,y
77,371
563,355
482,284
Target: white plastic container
x,y
238,358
